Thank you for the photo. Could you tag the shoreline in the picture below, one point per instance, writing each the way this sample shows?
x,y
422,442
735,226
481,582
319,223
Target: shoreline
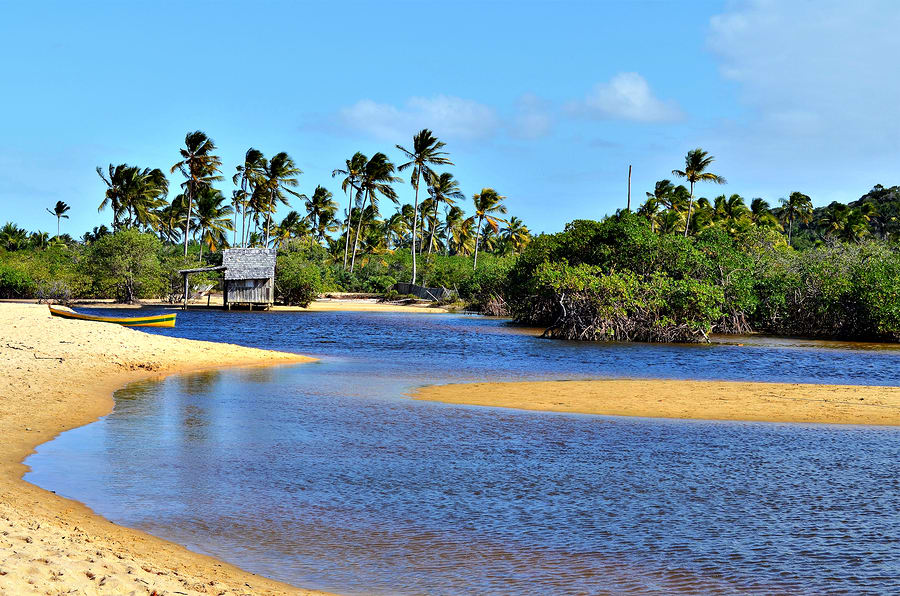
x,y
740,401
58,374
319,305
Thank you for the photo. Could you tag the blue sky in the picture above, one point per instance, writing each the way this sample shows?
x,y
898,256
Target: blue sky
x,y
548,102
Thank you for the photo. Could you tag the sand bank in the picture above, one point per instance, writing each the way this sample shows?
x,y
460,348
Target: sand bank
x,y
57,374
707,400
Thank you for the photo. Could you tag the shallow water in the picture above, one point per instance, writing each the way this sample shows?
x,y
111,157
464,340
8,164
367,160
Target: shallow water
x,y
325,476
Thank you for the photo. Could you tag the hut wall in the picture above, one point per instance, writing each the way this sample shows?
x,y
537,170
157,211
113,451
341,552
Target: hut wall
x,y
250,291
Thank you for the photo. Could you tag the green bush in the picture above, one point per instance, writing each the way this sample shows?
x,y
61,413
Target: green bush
x,y
297,281
15,282
126,265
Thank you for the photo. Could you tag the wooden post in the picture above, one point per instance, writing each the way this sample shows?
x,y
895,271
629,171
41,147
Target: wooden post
x,y
185,290
629,188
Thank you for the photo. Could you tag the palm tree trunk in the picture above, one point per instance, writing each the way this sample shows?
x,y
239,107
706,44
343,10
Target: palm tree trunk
x,y
187,220
268,221
433,228
362,212
202,231
687,223
415,220
477,240
790,229
347,225
57,227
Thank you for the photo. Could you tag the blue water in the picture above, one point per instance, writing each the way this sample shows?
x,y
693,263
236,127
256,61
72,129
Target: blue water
x,y
324,475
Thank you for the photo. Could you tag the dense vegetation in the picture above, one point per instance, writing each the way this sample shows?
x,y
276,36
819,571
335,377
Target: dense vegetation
x,y
677,269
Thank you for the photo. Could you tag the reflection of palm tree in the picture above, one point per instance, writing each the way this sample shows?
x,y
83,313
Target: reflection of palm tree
x,y
798,207
200,168
59,211
426,151
695,163
488,203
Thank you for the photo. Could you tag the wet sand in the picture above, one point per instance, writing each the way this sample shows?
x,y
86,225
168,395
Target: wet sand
x,y
56,374
705,400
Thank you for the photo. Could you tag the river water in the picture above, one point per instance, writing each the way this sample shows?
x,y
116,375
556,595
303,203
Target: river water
x,y
326,476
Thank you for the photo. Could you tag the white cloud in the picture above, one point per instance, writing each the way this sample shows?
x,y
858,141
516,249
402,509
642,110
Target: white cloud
x,y
447,116
533,119
627,96
822,71
817,81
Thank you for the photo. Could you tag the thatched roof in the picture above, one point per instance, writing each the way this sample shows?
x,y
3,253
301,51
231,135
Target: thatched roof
x,y
249,263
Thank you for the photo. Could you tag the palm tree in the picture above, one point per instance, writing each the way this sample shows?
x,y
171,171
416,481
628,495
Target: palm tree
x,y
292,226
280,175
798,207
731,209
761,214
247,176
487,203
320,211
516,234
39,239
395,227
695,163
426,151
356,165
213,219
134,194
444,189
650,210
59,211
200,168
12,237
376,178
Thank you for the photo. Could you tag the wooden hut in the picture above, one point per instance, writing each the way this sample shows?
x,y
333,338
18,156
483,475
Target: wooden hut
x,y
249,276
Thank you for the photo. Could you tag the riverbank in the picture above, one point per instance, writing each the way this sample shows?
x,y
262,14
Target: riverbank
x,y
321,305
704,400
57,374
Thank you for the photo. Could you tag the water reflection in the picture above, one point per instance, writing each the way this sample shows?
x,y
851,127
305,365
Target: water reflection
x,y
324,476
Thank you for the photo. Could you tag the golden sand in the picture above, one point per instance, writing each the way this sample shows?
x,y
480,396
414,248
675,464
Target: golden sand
x,y
707,400
56,374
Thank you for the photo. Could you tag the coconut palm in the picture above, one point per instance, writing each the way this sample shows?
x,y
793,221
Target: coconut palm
x,y
797,207
280,177
213,219
355,166
246,177
444,190
12,237
320,209
293,225
376,178
39,240
59,212
761,214
515,234
395,227
695,163
134,195
200,168
731,209
426,152
488,203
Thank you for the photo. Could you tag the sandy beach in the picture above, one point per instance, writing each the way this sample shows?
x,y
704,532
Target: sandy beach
x,y
57,374
705,400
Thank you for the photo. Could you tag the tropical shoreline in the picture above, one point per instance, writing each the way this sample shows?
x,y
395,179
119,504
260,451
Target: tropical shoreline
x,y
685,400
60,374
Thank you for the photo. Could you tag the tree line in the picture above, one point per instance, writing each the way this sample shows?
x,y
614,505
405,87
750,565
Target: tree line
x,y
137,198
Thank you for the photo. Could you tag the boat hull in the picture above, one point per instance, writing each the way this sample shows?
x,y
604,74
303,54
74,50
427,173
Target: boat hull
x,y
166,320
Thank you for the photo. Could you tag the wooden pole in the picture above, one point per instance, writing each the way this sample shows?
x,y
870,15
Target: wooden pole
x,y
629,188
